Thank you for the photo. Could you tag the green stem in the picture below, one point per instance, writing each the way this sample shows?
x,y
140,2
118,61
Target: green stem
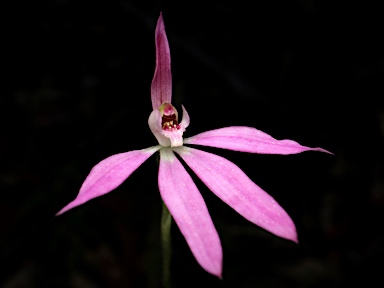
x,y
166,221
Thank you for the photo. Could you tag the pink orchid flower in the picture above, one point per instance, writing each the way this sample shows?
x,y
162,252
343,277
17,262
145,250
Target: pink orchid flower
x,y
177,189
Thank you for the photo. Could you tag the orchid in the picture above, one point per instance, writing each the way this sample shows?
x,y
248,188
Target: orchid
x,y
178,191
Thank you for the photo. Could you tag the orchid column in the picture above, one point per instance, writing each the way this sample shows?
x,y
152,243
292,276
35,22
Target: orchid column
x,y
177,189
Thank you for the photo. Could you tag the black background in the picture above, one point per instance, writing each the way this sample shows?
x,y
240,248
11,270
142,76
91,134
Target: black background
x,y
75,89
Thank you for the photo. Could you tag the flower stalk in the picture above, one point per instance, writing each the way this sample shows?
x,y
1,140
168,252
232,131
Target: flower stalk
x,y
166,223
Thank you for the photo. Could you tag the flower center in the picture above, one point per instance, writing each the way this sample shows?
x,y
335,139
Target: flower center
x,y
169,119
169,123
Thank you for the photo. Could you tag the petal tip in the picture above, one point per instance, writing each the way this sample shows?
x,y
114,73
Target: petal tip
x,y
292,236
62,211
295,239
322,150
160,21
66,208
215,271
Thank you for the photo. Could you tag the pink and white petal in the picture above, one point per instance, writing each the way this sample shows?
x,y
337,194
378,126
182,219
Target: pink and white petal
x,y
161,88
231,185
154,122
108,174
176,135
247,139
186,120
191,215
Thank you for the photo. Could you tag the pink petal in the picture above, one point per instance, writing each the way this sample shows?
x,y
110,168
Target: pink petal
x,y
161,89
185,121
247,139
232,186
188,208
108,174
154,123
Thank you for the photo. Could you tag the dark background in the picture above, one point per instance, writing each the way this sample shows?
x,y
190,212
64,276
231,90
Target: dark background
x,y
75,89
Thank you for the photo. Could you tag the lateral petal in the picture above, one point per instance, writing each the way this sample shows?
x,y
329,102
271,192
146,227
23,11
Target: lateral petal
x,y
154,123
108,174
247,139
161,88
191,215
231,185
